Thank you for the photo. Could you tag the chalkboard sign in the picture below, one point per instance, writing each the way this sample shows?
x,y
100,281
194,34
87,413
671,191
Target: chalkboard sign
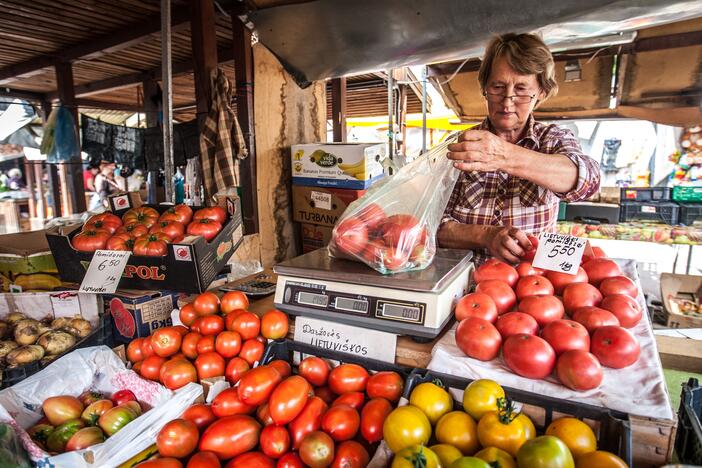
x,y
186,145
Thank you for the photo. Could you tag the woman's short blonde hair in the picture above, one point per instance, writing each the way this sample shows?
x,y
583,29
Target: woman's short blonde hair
x,y
527,54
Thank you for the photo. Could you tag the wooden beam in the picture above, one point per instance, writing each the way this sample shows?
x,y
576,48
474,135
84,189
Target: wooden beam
x,y
203,39
97,104
54,184
151,108
338,96
21,94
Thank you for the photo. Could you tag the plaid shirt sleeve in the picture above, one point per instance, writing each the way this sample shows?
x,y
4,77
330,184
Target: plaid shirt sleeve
x,y
453,199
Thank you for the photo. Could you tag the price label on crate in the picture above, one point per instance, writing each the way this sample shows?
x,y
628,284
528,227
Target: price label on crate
x,y
559,252
104,271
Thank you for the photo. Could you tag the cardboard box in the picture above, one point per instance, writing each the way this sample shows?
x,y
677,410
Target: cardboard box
x,y
610,194
321,206
26,262
315,236
678,288
188,266
341,165
137,314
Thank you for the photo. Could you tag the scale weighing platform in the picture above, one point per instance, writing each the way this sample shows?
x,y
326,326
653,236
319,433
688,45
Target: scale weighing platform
x,y
415,303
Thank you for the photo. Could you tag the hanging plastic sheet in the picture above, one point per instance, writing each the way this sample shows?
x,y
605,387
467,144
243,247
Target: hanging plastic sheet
x,y
60,142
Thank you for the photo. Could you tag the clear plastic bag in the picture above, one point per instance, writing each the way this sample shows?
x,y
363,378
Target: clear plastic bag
x,y
392,228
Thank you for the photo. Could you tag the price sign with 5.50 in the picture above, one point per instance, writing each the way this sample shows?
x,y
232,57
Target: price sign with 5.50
x,y
559,252
104,271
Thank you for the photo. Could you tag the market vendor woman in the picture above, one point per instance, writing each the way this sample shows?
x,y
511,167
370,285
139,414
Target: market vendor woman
x,y
515,170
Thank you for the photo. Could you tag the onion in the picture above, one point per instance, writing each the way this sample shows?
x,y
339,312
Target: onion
x,y
69,329
27,334
56,342
6,347
82,325
24,355
60,322
15,317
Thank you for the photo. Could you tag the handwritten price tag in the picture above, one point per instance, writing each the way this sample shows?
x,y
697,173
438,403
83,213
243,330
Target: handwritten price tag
x,y
559,252
104,271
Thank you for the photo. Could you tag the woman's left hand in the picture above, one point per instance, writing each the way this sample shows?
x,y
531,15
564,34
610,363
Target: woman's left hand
x,y
479,150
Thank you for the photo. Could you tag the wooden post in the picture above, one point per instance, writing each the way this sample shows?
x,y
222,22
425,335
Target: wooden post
x,y
38,167
167,92
74,168
204,48
29,177
338,95
52,170
243,69
404,89
150,88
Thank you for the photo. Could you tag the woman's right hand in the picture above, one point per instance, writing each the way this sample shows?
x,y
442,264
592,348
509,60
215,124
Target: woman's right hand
x,y
508,243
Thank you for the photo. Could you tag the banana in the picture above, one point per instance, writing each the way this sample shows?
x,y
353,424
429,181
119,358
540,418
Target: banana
x,y
354,169
361,175
37,281
146,454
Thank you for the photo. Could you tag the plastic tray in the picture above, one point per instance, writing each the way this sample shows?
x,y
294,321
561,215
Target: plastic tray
x,y
689,213
102,335
688,441
665,212
614,430
687,194
645,194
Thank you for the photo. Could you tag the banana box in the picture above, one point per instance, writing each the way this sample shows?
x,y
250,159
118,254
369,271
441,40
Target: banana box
x,y
320,205
26,263
340,165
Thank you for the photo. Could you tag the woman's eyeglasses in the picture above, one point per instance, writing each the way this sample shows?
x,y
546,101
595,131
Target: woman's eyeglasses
x,y
517,98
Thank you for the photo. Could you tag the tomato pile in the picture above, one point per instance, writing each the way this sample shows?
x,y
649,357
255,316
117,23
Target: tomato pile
x,y
319,416
546,321
143,231
72,423
385,243
220,338
487,432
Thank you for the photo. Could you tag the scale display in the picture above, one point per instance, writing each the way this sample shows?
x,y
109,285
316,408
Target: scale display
x,y
307,298
351,305
402,312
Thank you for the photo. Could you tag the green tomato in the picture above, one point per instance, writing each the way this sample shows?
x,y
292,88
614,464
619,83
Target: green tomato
x,y
59,438
545,452
469,462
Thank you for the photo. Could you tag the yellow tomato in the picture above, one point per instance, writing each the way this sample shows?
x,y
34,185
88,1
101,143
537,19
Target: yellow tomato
x,y
433,400
575,434
406,426
497,430
416,455
447,453
493,454
600,459
480,396
528,425
457,428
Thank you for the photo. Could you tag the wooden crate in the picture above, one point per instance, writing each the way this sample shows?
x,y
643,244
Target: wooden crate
x,y
653,440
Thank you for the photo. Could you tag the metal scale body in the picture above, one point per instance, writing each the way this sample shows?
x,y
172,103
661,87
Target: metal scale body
x,y
416,303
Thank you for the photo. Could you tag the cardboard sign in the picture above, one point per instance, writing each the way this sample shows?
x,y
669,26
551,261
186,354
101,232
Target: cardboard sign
x,y
104,271
346,338
559,252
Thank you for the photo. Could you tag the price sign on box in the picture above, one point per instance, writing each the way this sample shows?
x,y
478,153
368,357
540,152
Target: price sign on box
x,y
104,271
559,252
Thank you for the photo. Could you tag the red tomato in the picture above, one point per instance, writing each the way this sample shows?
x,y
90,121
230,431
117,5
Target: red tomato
x,y
274,325
561,280
228,344
142,215
121,242
290,460
137,367
134,352
373,215
205,228
146,348
395,259
476,305
263,415
233,300
178,438
204,460
106,221
252,351
275,441
173,229
180,213
247,324
166,341
325,394
353,399
283,368
579,295
317,450
228,403
341,422
516,323
168,462
615,347
215,213
122,396
209,365
529,254
133,230
90,241
251,460
230,436
151,367
527,269
385,384
597,252
402,232
288,399
579,370
533,286
565,335
496,270
593,318
599,269
350,454
210,325
348,378
309,420
206,303
350,236
372,418
177,373
544,309
236,367
187,315
500,292
189,345
626,309
315,370
478,338
206,344
256,385
200,414
529,356
183,330
151,245
619,285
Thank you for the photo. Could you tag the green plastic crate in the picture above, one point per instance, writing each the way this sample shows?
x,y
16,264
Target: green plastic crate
x,y
687,194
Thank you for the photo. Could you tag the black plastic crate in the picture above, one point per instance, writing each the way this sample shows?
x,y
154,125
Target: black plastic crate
x,y
102,335
688,441
661,212
613,432
643,194
689,213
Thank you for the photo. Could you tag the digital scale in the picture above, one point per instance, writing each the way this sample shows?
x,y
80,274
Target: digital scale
x,y
415,303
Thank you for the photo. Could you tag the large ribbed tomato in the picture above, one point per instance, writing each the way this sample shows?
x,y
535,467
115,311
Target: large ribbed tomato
x,y
180,213
151,245
143,215
204,227
120,242
173,229
91,240
106,221
215,213
133,230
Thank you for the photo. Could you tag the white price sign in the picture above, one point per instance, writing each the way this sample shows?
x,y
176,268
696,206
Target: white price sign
x,y
104,271
559,252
